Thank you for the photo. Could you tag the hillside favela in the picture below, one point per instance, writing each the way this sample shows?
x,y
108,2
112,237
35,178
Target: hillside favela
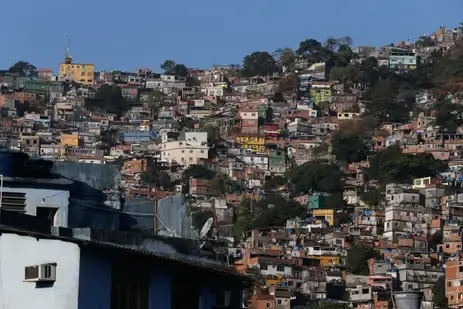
x,y
324,176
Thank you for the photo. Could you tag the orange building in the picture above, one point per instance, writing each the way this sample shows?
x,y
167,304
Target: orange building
x,y
453,279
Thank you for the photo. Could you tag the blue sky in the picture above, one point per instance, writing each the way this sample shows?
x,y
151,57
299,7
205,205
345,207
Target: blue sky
x,y
125,35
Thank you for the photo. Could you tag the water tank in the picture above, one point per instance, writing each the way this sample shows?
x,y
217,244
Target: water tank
x,y
408,299
12,163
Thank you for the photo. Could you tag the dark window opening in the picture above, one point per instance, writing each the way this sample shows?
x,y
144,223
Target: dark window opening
x,y
129,286
47,214
185,293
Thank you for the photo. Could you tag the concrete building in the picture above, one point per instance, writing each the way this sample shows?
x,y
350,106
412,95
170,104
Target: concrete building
x,y
57,271
188,149
79,72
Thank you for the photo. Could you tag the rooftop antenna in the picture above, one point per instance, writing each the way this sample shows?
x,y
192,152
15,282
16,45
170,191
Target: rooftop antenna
x,y
68,55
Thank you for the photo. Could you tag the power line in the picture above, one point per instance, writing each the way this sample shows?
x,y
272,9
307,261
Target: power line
x,y
170,230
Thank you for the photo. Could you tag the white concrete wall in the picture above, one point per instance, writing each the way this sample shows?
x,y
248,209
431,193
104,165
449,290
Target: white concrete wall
x,y
53,199
17,252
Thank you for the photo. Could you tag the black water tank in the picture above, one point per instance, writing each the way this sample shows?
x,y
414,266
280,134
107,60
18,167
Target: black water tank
x,y
12,163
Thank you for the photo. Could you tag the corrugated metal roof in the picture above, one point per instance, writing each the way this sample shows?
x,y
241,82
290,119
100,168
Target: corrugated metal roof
x,y
193,262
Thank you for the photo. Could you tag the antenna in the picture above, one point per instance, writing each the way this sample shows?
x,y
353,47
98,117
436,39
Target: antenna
x,y
68,55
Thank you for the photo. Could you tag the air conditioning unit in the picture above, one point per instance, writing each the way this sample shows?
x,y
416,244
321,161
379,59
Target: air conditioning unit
x,y
40,273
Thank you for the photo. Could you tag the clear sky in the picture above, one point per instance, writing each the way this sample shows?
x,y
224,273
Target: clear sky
x,y
121,34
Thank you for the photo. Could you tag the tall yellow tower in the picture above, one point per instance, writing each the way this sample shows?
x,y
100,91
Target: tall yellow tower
x,y
79,72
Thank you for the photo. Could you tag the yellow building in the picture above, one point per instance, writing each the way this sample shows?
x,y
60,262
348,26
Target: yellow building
x,y
326,261
324,214
81,73
70,140
257,144
321,94
78,72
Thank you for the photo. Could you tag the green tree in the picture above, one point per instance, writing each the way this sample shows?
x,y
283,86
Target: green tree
x,y
424,41
213,134
274,211
198,171
224,184
24,69
168,66
357,259
259,64
109,98
159,179
349,147
285,57
316,176
384,104
448,115
348,73
438,293
309,47
391,165
172,68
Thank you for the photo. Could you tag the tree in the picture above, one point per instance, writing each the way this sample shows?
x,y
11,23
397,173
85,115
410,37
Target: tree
x,y
274,211
348,73
159,179
259,64
223,184
357,259
391,165
289,83
198,171
314,49
309,47
285,57
109,99
316,176
383,102
448,115
168,65
24,69
349,147
438,293
213,134
172,68
424,41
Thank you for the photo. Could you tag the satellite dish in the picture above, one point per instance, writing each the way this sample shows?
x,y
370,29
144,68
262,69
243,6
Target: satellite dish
x,y
206,228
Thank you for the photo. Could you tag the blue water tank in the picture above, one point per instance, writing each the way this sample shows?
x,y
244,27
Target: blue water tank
x,y
12,163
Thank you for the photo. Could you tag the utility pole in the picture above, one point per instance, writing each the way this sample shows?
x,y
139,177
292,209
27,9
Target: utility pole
x,y
155,212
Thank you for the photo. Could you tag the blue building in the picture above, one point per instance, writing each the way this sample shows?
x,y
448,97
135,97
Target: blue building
x,y
82,271
136,136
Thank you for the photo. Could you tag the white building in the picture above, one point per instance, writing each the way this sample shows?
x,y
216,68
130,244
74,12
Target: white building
x,y
189,149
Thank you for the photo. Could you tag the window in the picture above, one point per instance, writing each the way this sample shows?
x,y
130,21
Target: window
x,y
82,74
280,268
279,302
129,286
263,266
268,305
